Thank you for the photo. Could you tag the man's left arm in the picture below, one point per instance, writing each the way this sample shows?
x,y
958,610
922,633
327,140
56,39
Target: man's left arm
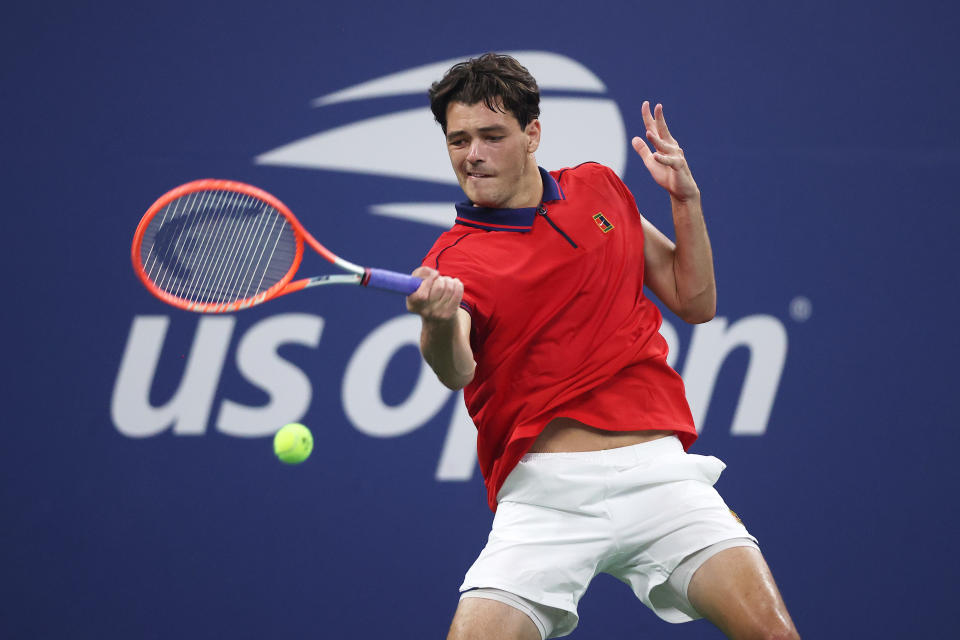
x,y
680,274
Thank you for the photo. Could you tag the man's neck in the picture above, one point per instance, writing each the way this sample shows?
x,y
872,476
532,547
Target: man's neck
x,y
531,193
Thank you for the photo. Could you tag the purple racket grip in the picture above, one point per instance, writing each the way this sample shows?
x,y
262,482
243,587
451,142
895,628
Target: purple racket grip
x,y
392,281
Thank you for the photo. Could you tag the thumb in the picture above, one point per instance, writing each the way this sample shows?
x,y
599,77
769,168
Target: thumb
x,y
640,146
424,272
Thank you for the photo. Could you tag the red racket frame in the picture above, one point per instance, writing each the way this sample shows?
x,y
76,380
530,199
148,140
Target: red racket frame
x,y
283,287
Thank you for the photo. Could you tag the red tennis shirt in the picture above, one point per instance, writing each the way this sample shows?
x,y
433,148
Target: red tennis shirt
x,y
560,324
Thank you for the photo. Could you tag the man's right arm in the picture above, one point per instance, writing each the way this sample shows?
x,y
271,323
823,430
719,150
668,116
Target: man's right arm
x,y
445,334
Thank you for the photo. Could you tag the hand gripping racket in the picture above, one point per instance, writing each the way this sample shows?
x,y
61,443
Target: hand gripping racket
x,y
216,246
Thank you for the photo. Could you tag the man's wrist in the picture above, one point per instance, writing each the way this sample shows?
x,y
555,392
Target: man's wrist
x,y
434,323
687,200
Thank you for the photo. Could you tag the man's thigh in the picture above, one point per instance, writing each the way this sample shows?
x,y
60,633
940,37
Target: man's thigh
x,y
481,619
735,591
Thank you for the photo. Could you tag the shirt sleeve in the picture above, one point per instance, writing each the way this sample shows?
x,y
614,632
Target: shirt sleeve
x,y
605,181
621,189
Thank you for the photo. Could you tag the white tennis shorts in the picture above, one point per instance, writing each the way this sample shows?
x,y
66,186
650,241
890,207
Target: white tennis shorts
x,y
634,512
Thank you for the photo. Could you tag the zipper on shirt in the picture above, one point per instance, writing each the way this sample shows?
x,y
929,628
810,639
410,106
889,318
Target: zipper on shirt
x,y
542,211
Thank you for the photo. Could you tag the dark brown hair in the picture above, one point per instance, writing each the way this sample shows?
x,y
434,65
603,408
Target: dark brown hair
x,y
499,81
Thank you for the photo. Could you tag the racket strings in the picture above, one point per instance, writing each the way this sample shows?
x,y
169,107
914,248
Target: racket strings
x,y
217,247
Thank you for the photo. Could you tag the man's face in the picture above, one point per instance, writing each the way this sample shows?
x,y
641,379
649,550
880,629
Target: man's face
x,y
492,156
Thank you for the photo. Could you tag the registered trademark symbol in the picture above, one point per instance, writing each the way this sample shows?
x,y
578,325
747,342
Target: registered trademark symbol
x,y
801,308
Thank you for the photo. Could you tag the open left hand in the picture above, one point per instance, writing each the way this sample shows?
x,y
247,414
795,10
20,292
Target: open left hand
x,y
667,164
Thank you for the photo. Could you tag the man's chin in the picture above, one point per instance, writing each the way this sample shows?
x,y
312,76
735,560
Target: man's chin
x,y
483,200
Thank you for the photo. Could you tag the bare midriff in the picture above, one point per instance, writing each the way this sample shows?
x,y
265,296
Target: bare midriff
x,y
567,434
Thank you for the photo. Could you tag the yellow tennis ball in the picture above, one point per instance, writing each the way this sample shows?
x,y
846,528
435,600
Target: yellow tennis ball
x,y
293,443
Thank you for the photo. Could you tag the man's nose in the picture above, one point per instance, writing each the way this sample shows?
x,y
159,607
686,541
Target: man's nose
x,y
474,154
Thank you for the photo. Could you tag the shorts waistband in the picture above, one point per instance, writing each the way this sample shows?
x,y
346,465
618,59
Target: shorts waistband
x,y
632,454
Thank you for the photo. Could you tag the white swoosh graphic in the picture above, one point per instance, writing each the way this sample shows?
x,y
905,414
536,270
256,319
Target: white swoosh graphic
x,y
438,214
409,144
552,71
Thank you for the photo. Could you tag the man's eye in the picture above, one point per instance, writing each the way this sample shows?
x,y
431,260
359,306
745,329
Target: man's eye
x,y
495,138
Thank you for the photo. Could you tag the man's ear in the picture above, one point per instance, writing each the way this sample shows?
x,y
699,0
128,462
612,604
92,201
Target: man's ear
x,y
533,135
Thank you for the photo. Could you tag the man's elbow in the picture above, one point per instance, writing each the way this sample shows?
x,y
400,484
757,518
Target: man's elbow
x,y
453,385
456,382
699,318
703,310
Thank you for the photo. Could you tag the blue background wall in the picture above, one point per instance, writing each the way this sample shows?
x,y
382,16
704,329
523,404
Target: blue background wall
x,y
824,137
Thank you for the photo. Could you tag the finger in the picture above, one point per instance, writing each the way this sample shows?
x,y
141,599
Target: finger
x,y
448,299
641,147
648,120
417,301
664,146
669,160
437,288
457,292
662,123
451,301
423,291
422,272
446,292
428,275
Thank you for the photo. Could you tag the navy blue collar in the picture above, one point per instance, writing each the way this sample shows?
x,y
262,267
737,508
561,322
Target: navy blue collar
x,y
508,219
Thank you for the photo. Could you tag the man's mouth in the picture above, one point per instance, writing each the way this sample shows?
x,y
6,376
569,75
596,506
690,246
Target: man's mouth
x,y
472,174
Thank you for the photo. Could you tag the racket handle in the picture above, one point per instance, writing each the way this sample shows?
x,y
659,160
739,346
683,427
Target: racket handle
x,y
391,281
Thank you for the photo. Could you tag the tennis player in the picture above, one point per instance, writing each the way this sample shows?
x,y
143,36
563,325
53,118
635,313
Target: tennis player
x,y
533,304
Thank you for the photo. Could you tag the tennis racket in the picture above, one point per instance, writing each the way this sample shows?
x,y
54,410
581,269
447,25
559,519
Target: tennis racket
x,y
216,246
